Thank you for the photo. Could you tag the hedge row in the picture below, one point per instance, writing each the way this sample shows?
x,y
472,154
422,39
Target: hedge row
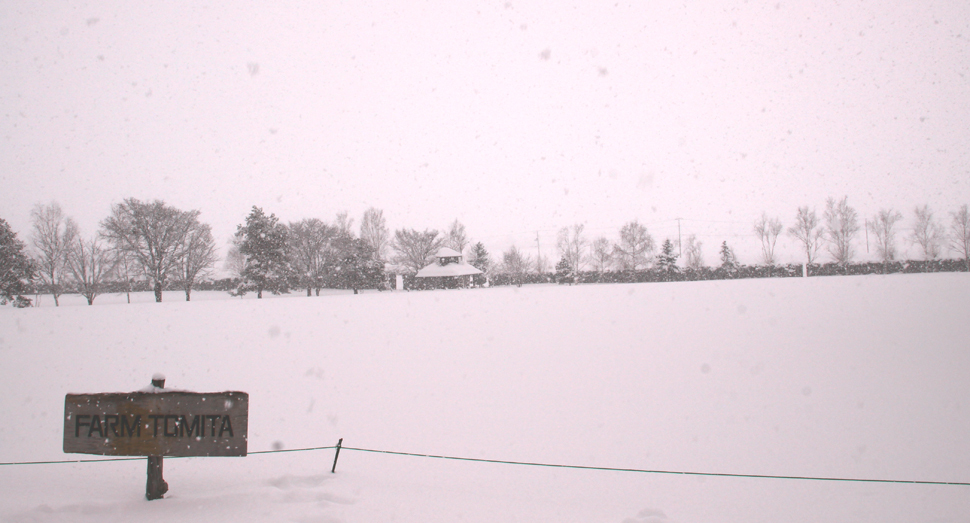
x,y
642,276
112,287
740,272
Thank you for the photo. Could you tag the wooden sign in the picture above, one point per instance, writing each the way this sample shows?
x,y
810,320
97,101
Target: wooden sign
x,y
157,423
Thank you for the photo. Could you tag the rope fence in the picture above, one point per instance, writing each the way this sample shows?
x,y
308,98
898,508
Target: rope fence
x,y
340,447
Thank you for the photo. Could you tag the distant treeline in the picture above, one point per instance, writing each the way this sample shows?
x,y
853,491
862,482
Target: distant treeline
x,y
717,273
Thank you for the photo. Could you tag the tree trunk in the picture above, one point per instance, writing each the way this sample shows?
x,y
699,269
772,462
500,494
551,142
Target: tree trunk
x,y
308,292
259,293
90,300
188,294
158,292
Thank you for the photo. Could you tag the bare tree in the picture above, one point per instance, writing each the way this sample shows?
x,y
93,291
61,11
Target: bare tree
x,y
841,226
345,223
123,268
927,233
90,263
373,230
456,237
693,256
310,251
152,233
235,261
768,230
541,264
635,248
883,226
196,255
416,249
807,231
52,235
960,233
602,256
572,246
515,264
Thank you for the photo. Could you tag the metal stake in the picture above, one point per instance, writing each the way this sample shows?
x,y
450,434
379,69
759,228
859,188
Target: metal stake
x,y
336,455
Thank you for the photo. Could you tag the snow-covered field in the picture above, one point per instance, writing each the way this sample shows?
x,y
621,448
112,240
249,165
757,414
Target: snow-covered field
x,y
856,377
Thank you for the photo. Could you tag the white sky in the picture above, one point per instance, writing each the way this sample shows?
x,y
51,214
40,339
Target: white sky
x,y
513,118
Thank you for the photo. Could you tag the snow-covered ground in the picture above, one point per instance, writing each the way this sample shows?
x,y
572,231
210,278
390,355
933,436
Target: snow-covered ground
x,y
857,377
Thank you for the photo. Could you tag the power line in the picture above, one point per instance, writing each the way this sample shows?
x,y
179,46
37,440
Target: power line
x,y
673,472
538,464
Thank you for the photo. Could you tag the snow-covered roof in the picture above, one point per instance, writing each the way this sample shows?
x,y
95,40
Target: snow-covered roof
x,y
452,269
446,252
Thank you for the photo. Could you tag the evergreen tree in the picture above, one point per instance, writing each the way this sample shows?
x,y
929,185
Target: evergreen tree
x,y
16,269
729,262
564,271
262,242
359,267
478,257
667,261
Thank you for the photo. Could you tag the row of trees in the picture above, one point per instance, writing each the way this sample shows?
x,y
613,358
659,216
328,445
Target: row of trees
x,y
139,240
837,229
157,243
164,245
311,254
267,255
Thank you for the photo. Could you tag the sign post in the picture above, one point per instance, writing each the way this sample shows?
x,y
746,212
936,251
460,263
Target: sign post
x,y
155,422
156,486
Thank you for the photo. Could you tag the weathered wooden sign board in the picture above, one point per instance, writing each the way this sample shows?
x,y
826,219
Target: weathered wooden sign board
x,y
157,423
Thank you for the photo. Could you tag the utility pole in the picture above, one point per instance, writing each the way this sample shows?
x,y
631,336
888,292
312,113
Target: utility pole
x,y
539,259
680,251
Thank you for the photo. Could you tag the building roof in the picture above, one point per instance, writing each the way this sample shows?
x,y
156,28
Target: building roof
x,y
446,252
452,269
